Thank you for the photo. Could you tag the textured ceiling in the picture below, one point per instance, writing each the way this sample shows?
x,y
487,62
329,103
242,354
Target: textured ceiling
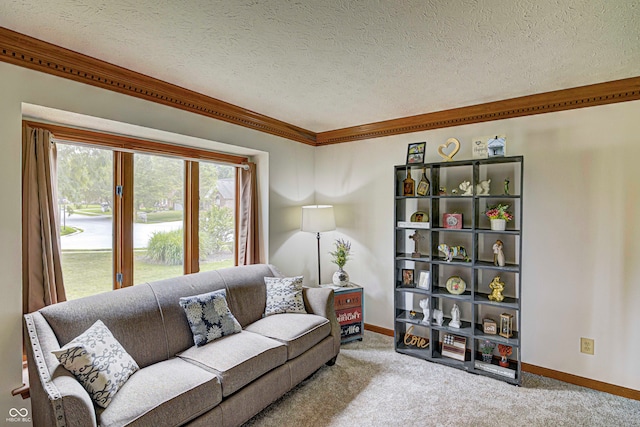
x,y
329,64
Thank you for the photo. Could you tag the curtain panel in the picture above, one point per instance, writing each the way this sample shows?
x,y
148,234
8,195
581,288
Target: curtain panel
x,y
248,230
41,254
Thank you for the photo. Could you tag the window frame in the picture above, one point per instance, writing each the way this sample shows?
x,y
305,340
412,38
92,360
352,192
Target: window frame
x,y
124,148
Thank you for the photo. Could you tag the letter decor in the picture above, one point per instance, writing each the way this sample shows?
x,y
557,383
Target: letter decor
x,y
414,340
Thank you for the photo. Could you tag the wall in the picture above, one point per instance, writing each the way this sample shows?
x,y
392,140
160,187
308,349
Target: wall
x,y
581,234
286,175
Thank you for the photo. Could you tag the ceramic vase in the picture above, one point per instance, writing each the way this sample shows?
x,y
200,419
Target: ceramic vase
x,y
498,224
340,278
487,358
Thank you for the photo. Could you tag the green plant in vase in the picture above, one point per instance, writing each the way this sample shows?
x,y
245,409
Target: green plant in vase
x,y
486,348
339,257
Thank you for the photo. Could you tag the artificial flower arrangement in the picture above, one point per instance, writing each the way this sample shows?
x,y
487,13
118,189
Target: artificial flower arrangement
x,y
505,351
341,254
499,212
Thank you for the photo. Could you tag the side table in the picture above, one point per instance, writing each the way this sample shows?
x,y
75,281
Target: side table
x,y
349,304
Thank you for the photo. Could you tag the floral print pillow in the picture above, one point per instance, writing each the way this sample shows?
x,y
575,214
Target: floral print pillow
x,y
98,361
209,317
284,295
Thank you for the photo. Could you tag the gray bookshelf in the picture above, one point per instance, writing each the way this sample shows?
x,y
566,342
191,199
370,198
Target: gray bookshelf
x,y
459,347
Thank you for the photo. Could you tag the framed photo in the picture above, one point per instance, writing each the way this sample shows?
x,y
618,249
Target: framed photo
x,y
407,277
420,216
415,153
489,146
423,281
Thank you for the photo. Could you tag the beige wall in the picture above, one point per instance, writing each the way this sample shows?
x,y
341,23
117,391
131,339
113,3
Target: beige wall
x,y
581,234
286,177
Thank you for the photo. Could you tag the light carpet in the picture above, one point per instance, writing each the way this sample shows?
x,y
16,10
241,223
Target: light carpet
x,y
372,385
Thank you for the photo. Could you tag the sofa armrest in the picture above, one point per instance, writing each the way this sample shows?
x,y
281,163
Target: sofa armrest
x,y
57,398
320,301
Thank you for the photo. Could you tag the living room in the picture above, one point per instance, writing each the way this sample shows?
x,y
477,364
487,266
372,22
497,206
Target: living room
x,y
580,236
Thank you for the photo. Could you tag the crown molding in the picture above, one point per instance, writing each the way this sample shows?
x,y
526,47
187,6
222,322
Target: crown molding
x,y
25,51
565,99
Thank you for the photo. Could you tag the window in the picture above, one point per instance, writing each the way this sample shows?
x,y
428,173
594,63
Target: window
x,y
136,216
85,189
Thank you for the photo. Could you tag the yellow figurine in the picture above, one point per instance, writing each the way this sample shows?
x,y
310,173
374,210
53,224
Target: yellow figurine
x,y
496,289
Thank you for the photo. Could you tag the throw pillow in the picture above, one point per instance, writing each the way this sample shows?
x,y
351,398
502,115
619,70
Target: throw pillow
x,y
209,316
284,295
98,361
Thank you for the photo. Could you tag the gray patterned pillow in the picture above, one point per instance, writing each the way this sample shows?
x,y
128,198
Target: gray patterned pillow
x,y
284,295
209,316
98,362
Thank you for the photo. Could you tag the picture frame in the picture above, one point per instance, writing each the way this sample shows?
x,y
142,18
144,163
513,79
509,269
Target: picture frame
x,y
423,280
407,276
415,153
420,216
452,220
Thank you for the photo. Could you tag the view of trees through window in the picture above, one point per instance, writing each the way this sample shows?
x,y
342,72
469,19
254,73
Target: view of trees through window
x,y
85,193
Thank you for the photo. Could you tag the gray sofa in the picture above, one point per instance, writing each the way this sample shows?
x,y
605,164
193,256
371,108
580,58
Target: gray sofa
x,y
223,383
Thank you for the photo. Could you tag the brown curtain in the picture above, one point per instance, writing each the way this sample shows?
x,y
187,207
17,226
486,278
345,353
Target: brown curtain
x,y
248,233
41,267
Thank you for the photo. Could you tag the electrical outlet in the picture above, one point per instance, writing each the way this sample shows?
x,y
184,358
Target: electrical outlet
x,y
586,345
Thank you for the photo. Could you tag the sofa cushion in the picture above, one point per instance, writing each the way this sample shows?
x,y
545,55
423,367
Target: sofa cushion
x,y
209,316
299,332
246,298
168,393
238,359
98,362
284,295
126,312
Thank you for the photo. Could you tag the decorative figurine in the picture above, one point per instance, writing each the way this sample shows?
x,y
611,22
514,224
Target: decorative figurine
x,y
442,191
456,148
482,189
416,237
497,287
506,186
424,305
505,351
438,316
466,188
455,317
412,314
498,254
451,251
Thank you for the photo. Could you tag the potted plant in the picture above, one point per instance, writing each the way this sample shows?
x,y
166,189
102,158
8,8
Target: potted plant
x,y
339,257
498,215
486,347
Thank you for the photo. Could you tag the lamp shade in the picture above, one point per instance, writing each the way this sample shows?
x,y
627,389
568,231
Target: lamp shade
x,y
318,218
